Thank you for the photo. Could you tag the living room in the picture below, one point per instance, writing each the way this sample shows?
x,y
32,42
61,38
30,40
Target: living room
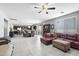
x,y
39,29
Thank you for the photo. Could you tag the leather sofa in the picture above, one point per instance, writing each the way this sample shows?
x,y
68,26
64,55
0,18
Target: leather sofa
x,y
73,39
75,43
47,38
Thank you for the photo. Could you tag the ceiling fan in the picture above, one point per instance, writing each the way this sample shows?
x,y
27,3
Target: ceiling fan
x,y
44,7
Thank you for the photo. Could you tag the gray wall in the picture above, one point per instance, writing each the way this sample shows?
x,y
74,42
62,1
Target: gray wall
x,y
59,22
2,17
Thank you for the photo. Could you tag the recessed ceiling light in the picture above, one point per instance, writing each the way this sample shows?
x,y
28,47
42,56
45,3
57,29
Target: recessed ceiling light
x,y
62,12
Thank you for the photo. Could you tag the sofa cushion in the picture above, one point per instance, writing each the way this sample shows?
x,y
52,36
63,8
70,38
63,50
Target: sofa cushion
x,y
63,36
76,43
71,37
77,38
51,35
47,35
58,34
69,40
47,39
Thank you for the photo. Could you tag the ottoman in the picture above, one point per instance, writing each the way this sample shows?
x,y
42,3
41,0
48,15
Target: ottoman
x,y
61,44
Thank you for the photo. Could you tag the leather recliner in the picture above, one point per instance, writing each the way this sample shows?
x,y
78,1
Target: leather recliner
x,y
47,38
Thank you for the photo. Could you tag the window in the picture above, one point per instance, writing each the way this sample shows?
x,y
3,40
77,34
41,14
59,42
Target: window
x,y
69,25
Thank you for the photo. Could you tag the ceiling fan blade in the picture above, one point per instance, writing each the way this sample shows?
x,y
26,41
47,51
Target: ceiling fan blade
x,y
36,7
39,11
52,8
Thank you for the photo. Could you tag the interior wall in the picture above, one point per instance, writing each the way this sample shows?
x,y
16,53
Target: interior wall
x,y
2,17
59,26
1,27
59,22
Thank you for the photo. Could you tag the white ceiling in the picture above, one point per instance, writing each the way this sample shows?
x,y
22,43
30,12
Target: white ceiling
x,y
25,13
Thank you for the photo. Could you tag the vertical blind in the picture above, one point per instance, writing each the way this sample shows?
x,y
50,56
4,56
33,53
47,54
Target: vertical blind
x,y
70,25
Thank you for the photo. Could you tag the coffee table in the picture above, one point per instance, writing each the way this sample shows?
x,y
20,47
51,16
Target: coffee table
x,y
61,44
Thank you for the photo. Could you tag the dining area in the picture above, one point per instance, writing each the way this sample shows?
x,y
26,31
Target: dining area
x,y
25,31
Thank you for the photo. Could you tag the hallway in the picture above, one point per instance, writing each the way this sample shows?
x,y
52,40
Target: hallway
x,y
32,46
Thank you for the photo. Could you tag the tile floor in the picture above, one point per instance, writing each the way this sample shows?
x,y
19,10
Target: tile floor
x,y
32,46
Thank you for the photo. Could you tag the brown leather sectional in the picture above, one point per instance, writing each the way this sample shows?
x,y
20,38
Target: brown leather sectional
x,y
72,38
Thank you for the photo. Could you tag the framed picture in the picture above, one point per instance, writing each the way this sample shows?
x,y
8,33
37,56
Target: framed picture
x,y
46,27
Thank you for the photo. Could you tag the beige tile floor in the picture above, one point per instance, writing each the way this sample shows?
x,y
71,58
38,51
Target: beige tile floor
x,y
32,46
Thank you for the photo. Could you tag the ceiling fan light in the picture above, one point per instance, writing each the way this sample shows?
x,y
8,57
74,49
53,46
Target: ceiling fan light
x,y
62,12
